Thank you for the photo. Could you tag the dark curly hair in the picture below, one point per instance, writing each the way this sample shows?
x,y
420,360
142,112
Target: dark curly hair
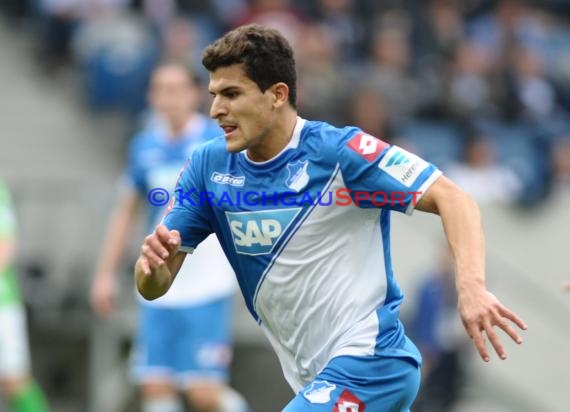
x,y
266,55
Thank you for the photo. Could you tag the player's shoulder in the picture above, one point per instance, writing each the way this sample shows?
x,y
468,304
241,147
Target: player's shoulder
x,y
205,157
211,151
328,134
332,139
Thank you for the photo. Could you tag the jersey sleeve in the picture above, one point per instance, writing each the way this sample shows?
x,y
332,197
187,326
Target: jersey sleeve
x,y
377,174
187,212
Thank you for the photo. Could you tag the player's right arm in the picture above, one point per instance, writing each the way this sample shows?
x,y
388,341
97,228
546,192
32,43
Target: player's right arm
x,y
120,227
368,165
158,263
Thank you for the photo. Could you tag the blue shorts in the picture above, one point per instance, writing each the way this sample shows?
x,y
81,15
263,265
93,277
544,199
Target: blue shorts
x,y
184,345
378,383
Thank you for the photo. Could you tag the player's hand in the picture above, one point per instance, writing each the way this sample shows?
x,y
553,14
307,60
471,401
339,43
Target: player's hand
x,y
480,312
157,248
566,286
103,294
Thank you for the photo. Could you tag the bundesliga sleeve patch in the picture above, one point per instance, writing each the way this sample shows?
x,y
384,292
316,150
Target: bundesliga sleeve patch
x,y
402,165
367,146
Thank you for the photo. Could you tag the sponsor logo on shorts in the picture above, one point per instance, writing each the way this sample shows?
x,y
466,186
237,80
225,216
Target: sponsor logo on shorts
x,y
348,402
319,392
214,355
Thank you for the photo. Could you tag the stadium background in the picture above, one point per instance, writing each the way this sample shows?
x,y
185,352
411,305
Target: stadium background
x,y
429,75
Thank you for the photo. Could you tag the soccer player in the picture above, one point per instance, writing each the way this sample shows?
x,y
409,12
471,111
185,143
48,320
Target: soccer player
x,y
183,341
316,274
16,381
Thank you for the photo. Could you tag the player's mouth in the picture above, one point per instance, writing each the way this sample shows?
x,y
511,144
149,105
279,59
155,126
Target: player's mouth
x,y
228,129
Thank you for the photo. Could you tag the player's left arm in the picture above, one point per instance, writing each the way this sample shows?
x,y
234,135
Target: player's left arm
x,y
7,252
479,309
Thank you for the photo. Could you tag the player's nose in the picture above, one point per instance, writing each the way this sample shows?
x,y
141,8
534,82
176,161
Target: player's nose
x,y
218,108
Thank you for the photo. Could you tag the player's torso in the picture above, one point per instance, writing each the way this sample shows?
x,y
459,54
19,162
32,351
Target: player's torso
x,y
306,274
260,207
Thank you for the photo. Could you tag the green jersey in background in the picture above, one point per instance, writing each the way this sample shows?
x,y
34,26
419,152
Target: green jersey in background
x,y
9,293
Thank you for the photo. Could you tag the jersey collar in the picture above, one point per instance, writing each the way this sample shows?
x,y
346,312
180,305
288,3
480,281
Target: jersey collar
x,y
293,144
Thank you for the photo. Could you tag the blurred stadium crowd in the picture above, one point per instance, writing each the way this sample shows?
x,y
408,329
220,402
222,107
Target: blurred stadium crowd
x,y
480,87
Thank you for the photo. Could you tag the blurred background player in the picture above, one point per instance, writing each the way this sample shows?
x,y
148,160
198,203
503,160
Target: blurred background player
x,y
437,330
16,382
183,340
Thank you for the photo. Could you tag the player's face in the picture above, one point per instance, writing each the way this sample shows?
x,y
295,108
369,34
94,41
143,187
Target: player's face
x,y
244,112
172,94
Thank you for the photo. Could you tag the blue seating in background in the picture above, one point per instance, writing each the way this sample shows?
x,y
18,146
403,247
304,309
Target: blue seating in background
x,y
438,142
118,78
519,147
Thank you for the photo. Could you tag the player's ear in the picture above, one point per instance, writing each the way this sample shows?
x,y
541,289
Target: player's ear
x,y
280,93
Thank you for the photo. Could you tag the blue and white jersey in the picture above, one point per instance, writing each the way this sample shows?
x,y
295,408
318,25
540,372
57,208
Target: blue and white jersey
x,y
307,234
155,161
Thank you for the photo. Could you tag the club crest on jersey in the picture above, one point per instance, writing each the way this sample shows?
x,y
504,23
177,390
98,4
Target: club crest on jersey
x,y
298,176
319,392
367,146
257,233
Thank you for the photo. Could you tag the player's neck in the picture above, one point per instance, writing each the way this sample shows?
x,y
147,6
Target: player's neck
x,y
278,138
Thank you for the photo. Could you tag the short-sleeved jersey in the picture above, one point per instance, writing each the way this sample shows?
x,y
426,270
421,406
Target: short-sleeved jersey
x,y
9,293
155,161
307,234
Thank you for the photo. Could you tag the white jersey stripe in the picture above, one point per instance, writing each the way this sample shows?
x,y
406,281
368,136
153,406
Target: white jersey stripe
x,y
293,231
